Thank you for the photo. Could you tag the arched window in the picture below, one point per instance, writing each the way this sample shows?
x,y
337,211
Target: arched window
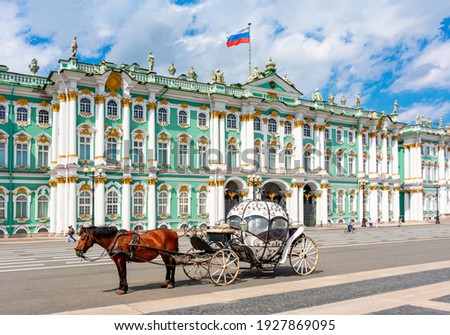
x,y
21,207
340,203
340,164
272,126
231,121
85,106
352,203
163,203
111,109
22,154
138,152
202,205
22,114
183,203
306,130
183,154
328,162
42,204
257,124
202,120
339,136
85,147
351,137
364,139
162,154
288,128
2,207
43,117
138,203
84,207
138,112
163,115
112,203
43,151
351,165
327,134
182,118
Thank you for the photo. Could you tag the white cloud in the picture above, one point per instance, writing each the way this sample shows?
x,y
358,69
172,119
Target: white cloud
x,y
428,110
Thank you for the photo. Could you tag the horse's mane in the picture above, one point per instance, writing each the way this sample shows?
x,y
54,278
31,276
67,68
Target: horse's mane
x,y
103,231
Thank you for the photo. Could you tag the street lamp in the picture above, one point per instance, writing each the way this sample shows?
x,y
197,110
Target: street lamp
x,y
92,174
437,186
363,183
255,182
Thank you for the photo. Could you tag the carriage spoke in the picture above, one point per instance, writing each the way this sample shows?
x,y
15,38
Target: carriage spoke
x,y
223,267
304,256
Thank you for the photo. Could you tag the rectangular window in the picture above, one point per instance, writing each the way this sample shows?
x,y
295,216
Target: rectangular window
x,y
85,148
43,151
22,154
202,158
183,155
162,154
138,152
3,153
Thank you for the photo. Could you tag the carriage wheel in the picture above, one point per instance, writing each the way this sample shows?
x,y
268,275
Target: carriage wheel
x,y
224,267
197,267
304,256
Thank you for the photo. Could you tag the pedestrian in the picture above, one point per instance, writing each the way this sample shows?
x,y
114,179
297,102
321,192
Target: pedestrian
x,y
70,233
350,225
399,221
370,223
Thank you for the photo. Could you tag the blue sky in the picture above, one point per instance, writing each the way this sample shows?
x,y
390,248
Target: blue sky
x,y
384,50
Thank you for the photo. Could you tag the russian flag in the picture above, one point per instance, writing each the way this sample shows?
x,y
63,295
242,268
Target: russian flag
x,y
242,36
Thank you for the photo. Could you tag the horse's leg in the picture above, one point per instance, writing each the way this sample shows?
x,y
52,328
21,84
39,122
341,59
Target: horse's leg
x,y
121,265
170,271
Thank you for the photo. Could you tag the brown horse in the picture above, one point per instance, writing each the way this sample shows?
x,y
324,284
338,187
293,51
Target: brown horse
x,y
128,246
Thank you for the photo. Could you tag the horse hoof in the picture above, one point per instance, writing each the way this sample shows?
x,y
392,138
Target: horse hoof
x,y
120,292
170,286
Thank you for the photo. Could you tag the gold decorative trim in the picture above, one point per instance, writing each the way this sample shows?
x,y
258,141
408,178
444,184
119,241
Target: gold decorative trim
x,y
100,99
73,95
22,102
127,180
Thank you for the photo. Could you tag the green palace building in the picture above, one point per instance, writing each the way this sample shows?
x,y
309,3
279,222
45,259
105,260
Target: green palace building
x,y
125,146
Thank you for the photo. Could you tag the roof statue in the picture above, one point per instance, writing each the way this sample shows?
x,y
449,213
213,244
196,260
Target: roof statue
x,y
34,68
317,96
441,119
358,101
331,98
417,118
394,111
74,48
286,79
430,122
218,77
255,75
151,61
172,69
343,101
191,74
270,67
424,121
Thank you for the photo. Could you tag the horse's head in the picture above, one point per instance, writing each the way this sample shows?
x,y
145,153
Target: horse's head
x,y
85,242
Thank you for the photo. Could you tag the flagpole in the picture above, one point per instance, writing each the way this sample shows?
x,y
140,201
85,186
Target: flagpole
x,y
249,51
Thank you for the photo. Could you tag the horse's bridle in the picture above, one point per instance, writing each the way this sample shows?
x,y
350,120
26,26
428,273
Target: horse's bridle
x,y
81,253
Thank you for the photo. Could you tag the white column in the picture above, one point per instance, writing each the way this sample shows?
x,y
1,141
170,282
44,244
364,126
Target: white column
x,y
395,172
151,136
212,202
321,212
72,131
294,203
126,199
222,139
385,203
407,206
396,202
100,130
280,156
301,200
265,146
55,140
62,125
373,155
72,196
221,199
250,141
441,162
151,203
60,209
361,172
53,205
373,196
99,201
126,102
317,146
243,137
384,170
298,139
215,145
407,162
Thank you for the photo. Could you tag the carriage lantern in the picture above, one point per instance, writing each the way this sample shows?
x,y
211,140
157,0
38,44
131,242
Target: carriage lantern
x,y
437,186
